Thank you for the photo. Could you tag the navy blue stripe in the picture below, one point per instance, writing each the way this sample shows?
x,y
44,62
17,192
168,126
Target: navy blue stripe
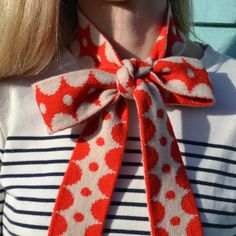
x,y
32,187
207,157
214,198
220,226
196,143
125,217
40,227
131,204
40,162
193,155
213,145
21,150
12,234
116,203
32,199
216,212
127,163
200,182
121,217
130,190
57,187
138,204
129,151
35,213
131,138
54,137
32,175
218,172
126,232
120,176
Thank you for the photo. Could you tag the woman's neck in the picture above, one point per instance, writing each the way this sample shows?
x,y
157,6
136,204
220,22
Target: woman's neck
x,y
132,26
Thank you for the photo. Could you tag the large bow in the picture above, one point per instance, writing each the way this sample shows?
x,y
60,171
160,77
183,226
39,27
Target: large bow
x,y
97,98
69,99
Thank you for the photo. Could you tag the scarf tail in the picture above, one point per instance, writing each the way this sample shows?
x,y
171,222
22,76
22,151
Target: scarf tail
x,y
172,211
86,190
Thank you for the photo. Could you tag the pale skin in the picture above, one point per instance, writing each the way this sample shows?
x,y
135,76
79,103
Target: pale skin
x,y
132,26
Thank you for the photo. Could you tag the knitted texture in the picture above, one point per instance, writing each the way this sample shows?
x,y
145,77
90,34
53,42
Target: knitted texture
x,y
95,97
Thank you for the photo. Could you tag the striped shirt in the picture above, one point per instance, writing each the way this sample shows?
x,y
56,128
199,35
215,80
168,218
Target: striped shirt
x,y
33,162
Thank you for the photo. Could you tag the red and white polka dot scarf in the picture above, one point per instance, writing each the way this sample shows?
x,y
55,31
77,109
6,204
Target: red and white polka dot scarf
x,y
96,98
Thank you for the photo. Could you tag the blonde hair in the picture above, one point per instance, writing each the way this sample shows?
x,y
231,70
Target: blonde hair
x,y
32,32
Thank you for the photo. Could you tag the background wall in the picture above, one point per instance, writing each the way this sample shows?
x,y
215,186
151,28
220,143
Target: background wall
x,y
215,23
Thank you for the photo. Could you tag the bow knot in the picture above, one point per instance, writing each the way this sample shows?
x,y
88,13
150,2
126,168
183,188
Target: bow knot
x,y
130,70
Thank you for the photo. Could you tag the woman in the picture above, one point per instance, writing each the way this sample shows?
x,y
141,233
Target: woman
x,y
34,163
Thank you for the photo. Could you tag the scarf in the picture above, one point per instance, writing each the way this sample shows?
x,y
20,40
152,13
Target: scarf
x,y
96,98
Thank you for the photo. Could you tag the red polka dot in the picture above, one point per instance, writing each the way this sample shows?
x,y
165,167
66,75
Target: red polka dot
x,y
163,141
91,126
155,185
85,191
161,232
99,208
194,227
182,178
106,115
175,153
78,217
158,211
119,133
188,203
152,157
93,166
100,141
60,227
94,230
73,175
106,184
175,220
144,98
113,158
65,199
160,113
169,127
149,129
81,150
166,168
170,195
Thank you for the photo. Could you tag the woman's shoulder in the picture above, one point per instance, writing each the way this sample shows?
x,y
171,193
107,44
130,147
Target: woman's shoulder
x,y
218,64
222,74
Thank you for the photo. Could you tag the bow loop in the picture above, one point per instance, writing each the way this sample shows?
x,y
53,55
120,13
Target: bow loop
x,y
183,81
72,98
